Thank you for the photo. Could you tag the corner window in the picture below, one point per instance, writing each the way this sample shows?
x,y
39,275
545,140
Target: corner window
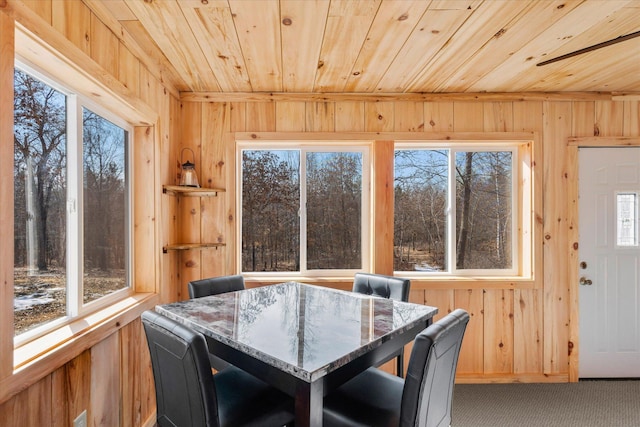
x,y
71,210
304,210
455,210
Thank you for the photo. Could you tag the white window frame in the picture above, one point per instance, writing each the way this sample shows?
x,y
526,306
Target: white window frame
x,y
363,147
450,211
74,269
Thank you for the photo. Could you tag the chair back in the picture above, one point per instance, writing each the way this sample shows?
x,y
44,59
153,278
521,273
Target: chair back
x,y
185,389
391,287
215,285
428,389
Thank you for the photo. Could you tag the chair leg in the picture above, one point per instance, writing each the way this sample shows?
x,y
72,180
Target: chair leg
x,y
400,364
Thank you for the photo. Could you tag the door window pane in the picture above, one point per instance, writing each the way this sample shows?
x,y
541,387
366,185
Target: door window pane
x,y
627,219
40,185
104,207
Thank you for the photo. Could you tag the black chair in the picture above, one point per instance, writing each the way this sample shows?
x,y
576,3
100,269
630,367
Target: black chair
x,y
215,285
391,287
188,394
376,398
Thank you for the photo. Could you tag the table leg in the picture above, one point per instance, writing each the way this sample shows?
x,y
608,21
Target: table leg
x,y
309,402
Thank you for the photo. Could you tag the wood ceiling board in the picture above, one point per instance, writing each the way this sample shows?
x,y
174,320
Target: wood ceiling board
x,y
430,35
391,27
157,62
257,24
213,28
588,70
117,8
484,24
529,24
347,26
166,24
301,42
519,71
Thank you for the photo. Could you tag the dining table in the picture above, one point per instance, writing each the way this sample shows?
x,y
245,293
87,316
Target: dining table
x,y
302,339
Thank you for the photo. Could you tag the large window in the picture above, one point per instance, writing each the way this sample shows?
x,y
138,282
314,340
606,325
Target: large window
x,y
455,210
304,210
71,204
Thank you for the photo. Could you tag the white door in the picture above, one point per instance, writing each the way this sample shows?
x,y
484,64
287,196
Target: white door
x,y
609,190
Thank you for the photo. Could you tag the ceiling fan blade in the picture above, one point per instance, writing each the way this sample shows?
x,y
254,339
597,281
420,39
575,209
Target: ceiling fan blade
x,y
590,48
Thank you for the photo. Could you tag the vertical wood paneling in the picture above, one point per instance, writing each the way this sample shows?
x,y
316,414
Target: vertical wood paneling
x,y
527,327
631,121
41,7
498,331
471,359
107,54
438,116
69,386
320,116
105,382
132,346
6,194
350,116
409,117
379,116
73,20
609,117
128,70
31,407
441,298
557,129
260,116
215,125
290,116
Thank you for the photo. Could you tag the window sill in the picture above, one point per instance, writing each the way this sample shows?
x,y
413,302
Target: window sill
x,y
40,357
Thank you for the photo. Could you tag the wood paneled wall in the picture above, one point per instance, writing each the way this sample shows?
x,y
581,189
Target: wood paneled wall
x,y
106,372
520,330
517,333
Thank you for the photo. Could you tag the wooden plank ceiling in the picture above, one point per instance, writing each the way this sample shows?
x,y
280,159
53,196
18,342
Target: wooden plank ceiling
x,y
387,46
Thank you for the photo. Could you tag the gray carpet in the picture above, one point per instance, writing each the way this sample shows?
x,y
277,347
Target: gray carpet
x,y
595,403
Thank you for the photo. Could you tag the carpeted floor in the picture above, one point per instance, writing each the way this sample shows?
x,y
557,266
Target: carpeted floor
x,y
596,403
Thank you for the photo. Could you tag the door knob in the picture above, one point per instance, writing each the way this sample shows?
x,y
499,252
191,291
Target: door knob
x,y
585,281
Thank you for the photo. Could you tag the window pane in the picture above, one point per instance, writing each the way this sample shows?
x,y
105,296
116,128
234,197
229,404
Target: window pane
x,y
627,221
104,207
270,206
40,146
483,210
334,210
420,225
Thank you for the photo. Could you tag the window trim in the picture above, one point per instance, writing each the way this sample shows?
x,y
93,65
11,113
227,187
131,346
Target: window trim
x,y
304,146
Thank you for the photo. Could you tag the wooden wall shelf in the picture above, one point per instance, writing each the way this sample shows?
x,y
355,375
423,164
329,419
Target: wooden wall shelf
x,y
174,190
187,246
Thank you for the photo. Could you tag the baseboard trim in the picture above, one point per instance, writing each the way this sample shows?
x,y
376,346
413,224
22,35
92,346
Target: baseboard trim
x,y
511,378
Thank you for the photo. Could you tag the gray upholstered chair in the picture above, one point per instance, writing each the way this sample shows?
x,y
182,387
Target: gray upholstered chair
x,y
215,285
395,288
188,394
424,398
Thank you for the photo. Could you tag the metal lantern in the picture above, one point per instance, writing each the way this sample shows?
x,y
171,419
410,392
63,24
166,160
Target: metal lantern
x,y
188,178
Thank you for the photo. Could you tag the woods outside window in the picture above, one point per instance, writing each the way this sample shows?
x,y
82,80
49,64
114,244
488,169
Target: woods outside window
x,y
71,205
304,209
455,210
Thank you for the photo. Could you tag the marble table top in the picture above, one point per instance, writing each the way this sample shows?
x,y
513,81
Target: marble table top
x,y
305,330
